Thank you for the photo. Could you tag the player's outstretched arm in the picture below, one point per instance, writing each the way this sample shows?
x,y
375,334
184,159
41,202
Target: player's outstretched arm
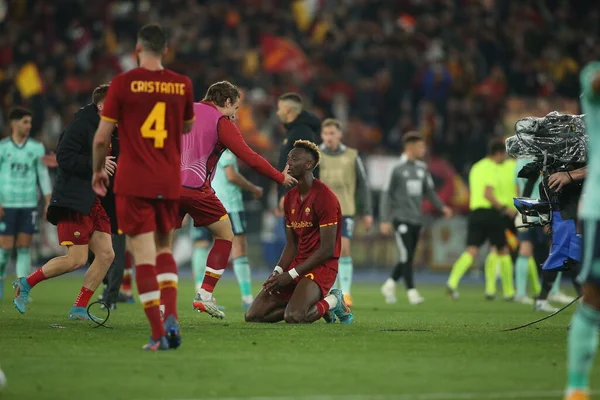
x,y
231,137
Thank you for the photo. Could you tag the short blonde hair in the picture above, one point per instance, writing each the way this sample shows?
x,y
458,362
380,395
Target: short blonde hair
x,y
331,122
311,148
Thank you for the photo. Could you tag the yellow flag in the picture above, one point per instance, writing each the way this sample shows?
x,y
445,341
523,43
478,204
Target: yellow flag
x,y
28,80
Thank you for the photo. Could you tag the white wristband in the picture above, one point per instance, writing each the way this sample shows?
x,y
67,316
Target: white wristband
x,y
278,270
293,273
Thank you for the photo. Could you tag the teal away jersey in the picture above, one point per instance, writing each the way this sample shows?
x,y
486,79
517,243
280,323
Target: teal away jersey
x,y
229,193
590,104
21,170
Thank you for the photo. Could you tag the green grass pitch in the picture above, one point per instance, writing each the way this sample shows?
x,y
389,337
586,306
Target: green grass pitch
x,y
438,350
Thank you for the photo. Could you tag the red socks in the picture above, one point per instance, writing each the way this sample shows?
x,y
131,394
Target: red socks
x,y
84,297
322,307
36,277
126,284
145,277
167,278
216,263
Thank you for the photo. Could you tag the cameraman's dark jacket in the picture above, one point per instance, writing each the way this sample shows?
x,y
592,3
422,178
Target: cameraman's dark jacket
x,y
73,189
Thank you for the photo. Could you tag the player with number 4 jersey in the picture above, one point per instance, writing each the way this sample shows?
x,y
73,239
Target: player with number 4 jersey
x,y
153,107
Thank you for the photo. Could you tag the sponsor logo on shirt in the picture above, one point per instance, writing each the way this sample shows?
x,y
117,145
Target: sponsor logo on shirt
x,y
301,224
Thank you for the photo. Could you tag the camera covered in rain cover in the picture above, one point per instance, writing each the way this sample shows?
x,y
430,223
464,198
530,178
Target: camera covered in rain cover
x,y
553,143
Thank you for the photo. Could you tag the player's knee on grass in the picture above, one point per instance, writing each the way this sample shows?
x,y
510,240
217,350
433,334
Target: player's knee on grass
x,y
295,315
591,294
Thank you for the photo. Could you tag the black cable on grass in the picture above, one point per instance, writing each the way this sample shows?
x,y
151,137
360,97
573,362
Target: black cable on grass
x,y
101,322
541,319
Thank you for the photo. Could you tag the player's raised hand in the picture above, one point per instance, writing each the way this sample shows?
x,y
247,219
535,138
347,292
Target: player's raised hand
x,y
100,183
110,165
257,192
288,179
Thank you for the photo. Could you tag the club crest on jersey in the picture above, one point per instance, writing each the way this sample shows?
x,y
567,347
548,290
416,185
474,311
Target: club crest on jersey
x,y
307,211
76,234
293,211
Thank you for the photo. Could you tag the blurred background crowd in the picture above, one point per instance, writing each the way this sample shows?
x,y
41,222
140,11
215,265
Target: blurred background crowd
x,y
458,71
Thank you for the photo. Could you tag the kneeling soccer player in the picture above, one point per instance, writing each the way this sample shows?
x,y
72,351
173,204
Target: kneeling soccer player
x,y
298,289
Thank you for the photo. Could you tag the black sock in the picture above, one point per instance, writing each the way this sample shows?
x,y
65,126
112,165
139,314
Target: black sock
x,y
548,278
408,276
398,271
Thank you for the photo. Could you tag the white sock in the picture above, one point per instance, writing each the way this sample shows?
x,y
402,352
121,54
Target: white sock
x,y
390,282
331,300
247,299
205,295
412,292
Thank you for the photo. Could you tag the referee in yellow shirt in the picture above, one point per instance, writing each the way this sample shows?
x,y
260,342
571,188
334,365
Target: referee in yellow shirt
x,y
486,221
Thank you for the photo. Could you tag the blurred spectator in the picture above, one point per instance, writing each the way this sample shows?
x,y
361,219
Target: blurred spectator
x,y
445,67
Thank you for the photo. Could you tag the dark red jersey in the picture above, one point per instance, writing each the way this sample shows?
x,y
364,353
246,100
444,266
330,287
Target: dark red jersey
x,y
306,217
150,108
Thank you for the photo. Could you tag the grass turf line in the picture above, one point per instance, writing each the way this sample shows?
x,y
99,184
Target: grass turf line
x,y
438,347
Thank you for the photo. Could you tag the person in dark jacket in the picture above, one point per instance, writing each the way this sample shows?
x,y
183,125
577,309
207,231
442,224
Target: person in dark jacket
x,y
81,220
114,277
299,125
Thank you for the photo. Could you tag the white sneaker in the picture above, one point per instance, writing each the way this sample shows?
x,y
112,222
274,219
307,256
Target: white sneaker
x,y
414,297
208,306
388,290
545,306
561,298
524,300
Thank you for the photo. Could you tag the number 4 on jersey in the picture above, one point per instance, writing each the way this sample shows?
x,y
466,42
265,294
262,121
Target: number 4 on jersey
x,y
154,125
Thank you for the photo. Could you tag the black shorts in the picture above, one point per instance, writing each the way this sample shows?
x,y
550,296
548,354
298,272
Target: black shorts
x,y
486,224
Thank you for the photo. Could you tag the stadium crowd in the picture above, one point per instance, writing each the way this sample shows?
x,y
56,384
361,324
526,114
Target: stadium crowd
x,y
443,67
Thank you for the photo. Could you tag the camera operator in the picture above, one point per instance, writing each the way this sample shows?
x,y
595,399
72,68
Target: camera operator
x,y
565,189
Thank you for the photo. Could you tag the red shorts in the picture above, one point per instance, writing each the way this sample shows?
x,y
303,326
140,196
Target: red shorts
x,y
323,275
137,215
202,205
74,228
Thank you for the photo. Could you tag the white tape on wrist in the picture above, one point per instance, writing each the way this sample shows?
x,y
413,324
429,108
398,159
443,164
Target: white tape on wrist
x,y
293,273
278,270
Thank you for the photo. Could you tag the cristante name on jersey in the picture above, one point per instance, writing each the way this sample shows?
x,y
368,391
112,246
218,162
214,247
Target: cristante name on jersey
x,y
301,224
158,87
